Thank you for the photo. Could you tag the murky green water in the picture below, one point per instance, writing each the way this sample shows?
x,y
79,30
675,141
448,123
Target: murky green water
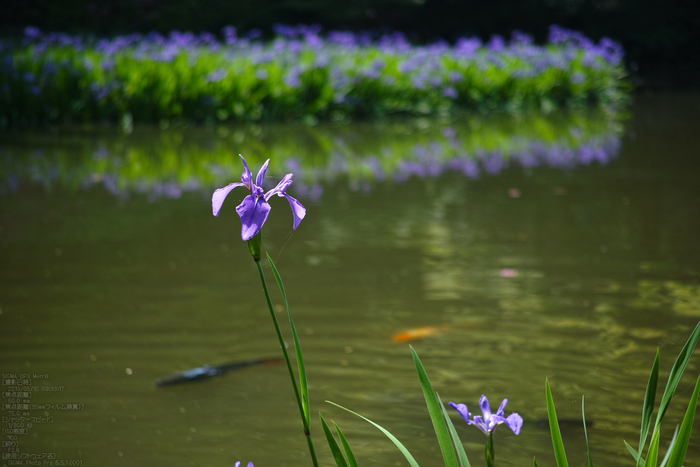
x,y
562,247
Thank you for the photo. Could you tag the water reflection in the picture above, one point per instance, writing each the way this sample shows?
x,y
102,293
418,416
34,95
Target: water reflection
x,y
166,164
578,275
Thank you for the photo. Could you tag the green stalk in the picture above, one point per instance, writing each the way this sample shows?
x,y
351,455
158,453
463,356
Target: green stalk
x,y
307,433
490,451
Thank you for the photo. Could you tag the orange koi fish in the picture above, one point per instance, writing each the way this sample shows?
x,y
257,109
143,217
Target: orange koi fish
x,y
425,331
417,333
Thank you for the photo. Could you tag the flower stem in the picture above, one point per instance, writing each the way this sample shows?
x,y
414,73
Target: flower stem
x,y
490,452
307,432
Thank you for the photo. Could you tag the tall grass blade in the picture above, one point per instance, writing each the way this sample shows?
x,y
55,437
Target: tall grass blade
x,y
648,407
585,430
304,386
346,446
333,444
436,415
635,454
679,450
461,454
653,454
393,438
677,372
559,453
534,462
670,448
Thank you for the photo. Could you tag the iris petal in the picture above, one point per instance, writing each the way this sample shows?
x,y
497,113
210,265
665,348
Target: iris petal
x,y
502,408
217,199
247,177
515,422
298,210
462,409
480,424
485,407
261,174
253,212
281,187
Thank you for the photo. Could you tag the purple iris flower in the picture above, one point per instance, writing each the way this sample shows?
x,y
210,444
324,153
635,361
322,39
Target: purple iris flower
x,y
238,464
255,208
489,421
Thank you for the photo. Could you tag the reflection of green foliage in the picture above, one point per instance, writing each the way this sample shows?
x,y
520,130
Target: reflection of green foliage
x,y
191,158
683,299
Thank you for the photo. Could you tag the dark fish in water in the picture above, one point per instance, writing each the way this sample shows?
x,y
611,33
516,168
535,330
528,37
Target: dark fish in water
x,y
207,371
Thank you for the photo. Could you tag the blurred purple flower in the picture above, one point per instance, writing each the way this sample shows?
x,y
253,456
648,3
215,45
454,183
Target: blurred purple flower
x,y
238,464
497,43
217,76
450,92
489,422
255,208
32,32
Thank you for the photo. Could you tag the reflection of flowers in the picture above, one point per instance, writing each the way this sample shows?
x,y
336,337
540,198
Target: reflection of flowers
x,y
254,209
172,168
489,422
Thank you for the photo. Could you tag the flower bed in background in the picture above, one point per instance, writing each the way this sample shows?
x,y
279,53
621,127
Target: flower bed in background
x,y
300,74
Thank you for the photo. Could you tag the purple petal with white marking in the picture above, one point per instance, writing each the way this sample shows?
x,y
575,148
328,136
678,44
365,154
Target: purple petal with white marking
x,y
298,210
217,199
485,407
253,212
515,422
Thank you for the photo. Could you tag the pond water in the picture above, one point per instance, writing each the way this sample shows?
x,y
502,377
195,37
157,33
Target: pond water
x,y
523,247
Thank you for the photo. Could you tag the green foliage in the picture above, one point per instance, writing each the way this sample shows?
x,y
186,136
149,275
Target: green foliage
x,y
303,383
678,452
436,414
63,83
557,442
461,454
680,443
649,401
333,444
411,460
585,431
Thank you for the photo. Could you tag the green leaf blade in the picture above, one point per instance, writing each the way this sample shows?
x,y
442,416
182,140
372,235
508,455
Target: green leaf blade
x,y
459,447
653,454
585,431
648,407
303,383
411,460
670,448
678,452
635,454
557,442
333,444
674,377
346,446
436,415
